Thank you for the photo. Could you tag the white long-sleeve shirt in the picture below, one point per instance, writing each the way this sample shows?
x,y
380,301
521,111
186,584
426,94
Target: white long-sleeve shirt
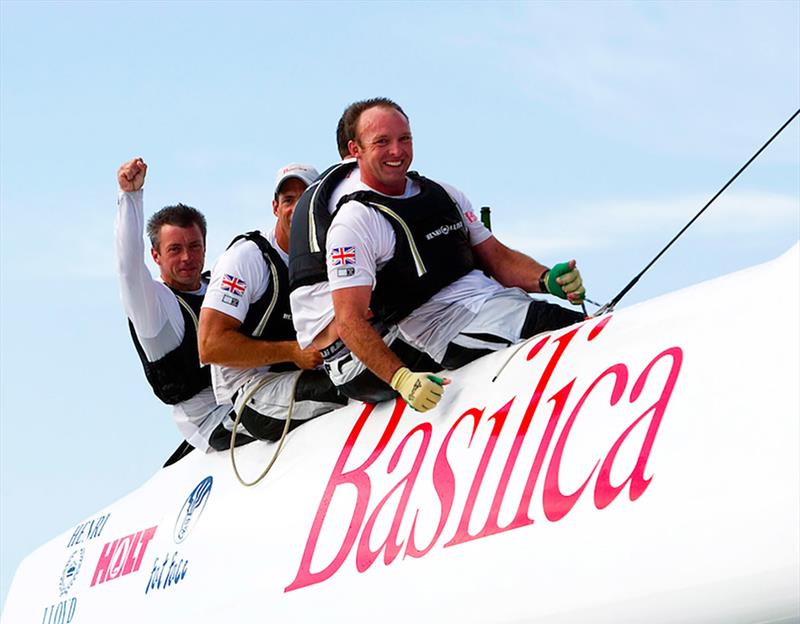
x,y
157,319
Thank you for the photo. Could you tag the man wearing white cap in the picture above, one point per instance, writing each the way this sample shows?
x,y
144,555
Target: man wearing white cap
x,y
246,330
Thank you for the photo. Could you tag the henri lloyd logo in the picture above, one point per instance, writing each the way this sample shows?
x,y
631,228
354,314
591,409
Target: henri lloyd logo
x,y
63,611
445,229
88,530
192,508
530,434
71,570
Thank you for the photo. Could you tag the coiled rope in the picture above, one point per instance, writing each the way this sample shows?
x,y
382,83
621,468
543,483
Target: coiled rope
x,y
280,442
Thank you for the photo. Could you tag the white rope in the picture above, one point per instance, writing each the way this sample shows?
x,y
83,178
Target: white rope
x,y
282,439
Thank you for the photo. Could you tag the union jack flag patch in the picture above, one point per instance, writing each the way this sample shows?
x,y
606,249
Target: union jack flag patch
x,y
343,255
234,285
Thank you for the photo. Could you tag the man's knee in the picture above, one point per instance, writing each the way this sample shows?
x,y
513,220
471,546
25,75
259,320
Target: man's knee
x,y
543,316
414,359
367,387
220,438
265,427
315,385
457,355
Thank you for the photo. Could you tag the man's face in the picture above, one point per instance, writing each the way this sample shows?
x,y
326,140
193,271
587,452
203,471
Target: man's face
x,y
283,207
180,256
384,149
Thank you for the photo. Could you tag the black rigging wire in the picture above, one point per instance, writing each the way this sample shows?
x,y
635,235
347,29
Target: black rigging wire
x,y
610,305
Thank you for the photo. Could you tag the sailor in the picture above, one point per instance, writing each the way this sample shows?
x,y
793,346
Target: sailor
x,y
246,330
402,257
163,314
312,307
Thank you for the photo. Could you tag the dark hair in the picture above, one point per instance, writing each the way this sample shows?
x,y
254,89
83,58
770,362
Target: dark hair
x,y
346,128
180,216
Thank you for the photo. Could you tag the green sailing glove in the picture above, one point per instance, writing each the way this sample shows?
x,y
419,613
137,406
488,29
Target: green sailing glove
x,y
564,281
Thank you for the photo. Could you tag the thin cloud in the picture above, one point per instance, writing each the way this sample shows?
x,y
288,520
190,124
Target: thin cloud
x,y
610,65
603,224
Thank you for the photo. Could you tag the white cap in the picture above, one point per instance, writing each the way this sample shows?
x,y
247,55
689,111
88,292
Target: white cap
x,y
306,173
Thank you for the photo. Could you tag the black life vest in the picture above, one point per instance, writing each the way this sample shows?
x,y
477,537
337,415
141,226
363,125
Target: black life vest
x,y
270,317
178,376
310,223
432,248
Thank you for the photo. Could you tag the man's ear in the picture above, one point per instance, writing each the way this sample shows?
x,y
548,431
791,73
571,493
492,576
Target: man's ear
x,y
156,256
275,207
352,147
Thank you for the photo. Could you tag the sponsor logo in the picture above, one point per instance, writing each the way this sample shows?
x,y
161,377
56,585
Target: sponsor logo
x,y
170,571
444,230
346,272
88,530
192,509
71,570
470,216
123,556
61,612
293,168
230,300
287,317
234,285
524,435
343,255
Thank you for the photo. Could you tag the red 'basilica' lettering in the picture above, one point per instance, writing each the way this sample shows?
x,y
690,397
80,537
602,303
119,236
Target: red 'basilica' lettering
x,y
553,412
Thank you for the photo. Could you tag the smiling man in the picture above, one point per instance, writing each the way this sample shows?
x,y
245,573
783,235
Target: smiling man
x,y
163,313
403,259
246,329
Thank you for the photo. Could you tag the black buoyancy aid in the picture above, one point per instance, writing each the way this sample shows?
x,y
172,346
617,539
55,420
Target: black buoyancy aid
x,y
178,376
270,317
432,248
310,222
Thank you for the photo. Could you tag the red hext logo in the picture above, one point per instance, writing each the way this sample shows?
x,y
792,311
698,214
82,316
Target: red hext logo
x,y
612,463
122,556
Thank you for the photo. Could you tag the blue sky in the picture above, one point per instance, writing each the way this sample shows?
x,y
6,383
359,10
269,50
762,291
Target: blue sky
x,y
594,130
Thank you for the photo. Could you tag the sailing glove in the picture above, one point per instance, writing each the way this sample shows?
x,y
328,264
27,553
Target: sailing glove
x,y
564,281
421,391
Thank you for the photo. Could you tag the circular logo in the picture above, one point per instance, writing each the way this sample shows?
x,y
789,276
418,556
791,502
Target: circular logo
x,y
192,508
71,570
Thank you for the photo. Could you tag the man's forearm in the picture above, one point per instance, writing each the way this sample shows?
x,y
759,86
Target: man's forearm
x,y
362,339
510,267
521,271
232,348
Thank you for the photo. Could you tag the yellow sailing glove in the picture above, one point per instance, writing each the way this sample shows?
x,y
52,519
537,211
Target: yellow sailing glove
x,y
421,391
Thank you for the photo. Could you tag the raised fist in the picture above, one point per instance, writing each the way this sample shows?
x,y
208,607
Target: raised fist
x,y
131,175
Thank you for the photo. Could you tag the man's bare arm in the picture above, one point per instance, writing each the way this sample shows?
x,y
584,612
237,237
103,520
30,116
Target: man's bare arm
x,y
509,267
513,268
220,342
351,306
